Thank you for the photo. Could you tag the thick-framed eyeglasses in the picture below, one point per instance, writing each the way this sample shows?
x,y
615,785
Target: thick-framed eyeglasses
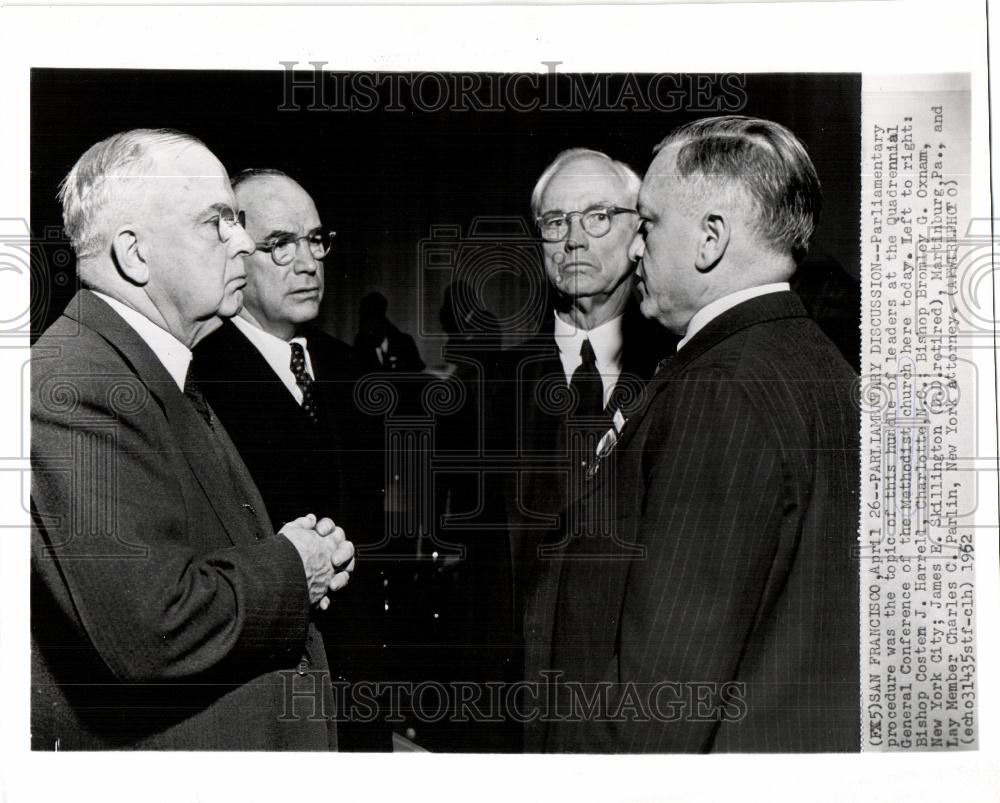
x,y
596,221
228,220
283,249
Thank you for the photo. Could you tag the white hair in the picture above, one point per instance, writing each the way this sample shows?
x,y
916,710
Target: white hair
x,y
93,188
628,176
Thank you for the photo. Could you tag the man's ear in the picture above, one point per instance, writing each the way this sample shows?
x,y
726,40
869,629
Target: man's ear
x,y
715,233
130,255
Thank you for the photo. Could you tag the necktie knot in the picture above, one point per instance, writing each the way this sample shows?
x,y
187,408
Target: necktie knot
x,y
587,356
298,364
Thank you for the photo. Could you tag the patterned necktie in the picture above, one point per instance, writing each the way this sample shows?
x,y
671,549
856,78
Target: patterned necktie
x,y
194,395
305,382
587,382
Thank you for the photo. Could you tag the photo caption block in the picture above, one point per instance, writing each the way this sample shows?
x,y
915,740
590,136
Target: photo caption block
x,y
919,417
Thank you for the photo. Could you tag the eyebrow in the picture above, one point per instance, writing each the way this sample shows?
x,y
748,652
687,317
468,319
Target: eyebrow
x,y
275,233
597,205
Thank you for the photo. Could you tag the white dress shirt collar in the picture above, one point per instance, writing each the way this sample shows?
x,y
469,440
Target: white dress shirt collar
x,y
277,353
606,340
175,356
709,313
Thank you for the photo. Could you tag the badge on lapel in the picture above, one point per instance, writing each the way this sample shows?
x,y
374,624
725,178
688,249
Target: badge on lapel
x,y
606,445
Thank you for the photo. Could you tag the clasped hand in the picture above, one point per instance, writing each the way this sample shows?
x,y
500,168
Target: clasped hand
x,y
327,555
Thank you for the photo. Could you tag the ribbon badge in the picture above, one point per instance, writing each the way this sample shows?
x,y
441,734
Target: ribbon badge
x,y
606,445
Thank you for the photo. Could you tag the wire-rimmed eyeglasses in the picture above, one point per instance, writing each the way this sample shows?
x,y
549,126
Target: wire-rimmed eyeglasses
x,y
283,248
228,219
596,221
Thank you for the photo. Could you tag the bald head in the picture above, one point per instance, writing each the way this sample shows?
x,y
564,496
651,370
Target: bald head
x,y
280,298
276,198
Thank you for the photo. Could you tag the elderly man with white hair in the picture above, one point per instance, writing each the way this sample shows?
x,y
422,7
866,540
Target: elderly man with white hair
x,y
728,619
166,613
591,355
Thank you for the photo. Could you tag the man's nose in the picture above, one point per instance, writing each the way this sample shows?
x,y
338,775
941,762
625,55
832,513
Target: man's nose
x,y
576,237
636,248
240,243
304,261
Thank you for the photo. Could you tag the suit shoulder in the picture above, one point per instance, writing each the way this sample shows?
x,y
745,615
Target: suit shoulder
x,y
782,348
329,354
537,356
793,348
224,354
70,348
328,344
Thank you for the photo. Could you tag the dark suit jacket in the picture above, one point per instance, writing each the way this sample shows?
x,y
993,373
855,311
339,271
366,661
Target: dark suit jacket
x,y
165,613
737,479
300,468
533,409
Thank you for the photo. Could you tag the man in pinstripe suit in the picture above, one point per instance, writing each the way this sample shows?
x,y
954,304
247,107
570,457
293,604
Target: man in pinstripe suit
x,y
714,607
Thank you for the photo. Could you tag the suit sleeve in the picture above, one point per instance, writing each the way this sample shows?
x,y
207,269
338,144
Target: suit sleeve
x,y
127,550
709,526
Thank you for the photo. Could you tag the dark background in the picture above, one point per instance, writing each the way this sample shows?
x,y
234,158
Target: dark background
x,y
384,178
420,198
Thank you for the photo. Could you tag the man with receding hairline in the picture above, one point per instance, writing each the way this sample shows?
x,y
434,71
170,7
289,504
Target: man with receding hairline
x,y
284,390
728,621
166,613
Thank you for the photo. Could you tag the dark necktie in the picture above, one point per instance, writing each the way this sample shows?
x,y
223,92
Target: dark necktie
x,y
194,395
305,382
219,443
588,385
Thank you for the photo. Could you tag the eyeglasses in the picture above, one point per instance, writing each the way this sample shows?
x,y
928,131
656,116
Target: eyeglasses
x,y
596,221
228,220
283,249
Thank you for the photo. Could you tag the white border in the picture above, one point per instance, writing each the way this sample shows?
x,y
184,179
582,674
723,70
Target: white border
x,y
883,37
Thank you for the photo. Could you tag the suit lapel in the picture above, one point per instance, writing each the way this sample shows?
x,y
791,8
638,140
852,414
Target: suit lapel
x,y
212,458
247,364
770,307
220,471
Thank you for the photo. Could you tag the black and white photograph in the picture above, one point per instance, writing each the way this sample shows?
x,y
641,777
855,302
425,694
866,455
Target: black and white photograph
x,y
469,370
519,410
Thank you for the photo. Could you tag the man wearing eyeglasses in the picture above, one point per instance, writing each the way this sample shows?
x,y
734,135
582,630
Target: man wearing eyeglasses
x,y
166,613
732,625
284,390
592,354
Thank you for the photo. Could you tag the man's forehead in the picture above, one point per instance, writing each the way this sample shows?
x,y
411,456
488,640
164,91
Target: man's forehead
x,y
589,180
186,160
275,198
664,166
660,177
186,177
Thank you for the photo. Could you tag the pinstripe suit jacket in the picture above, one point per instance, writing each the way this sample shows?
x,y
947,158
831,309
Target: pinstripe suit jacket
x,y
165,614
715,605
